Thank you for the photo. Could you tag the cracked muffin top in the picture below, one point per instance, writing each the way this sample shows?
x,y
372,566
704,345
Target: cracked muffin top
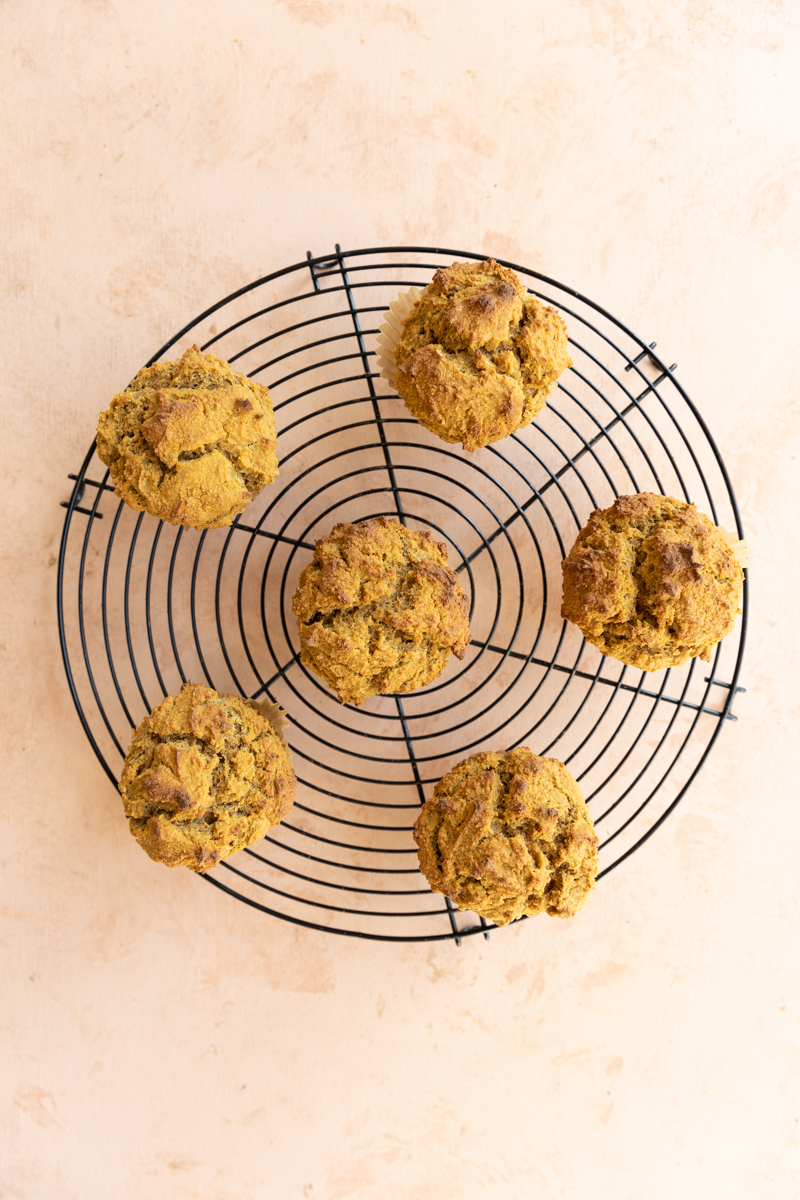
x,y
206,775
379,610
478,355
651,581
191,441
508,835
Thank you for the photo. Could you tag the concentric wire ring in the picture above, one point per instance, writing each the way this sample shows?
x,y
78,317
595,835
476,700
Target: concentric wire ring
x,y
144,607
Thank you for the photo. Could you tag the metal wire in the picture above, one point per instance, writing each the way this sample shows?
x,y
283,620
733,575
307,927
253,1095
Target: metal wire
x,y
143,607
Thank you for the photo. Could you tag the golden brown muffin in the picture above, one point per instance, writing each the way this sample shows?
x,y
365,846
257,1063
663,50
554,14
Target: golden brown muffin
x,y
379,610
652,582
206,775
478,356
508,835
191,442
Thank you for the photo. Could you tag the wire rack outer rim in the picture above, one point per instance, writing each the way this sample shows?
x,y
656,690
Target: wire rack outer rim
x,y
310,262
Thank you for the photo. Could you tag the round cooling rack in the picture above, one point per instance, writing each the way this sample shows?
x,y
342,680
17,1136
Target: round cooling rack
x,y
144,607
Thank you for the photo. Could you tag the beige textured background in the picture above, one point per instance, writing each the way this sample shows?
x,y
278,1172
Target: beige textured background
x,y
161,1040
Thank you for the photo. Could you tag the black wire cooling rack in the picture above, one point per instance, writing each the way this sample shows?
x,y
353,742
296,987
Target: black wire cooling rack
x,y
143,607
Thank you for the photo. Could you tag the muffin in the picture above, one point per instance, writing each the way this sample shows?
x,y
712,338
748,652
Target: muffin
x,y
191,442
205,776
508,835
379,610
477,355
651,581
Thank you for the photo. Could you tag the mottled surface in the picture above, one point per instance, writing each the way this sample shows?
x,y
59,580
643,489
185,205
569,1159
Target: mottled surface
x,y
652,581
165,1042
206,775
191,442
478,356
379,610
508,835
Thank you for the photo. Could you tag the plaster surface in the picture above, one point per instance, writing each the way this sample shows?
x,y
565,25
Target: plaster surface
x,y
161,1040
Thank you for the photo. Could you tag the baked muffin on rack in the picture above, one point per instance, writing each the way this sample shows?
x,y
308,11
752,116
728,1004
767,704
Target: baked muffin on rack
x,y
205,776
508,835
191,441
474,356
379,610
653,582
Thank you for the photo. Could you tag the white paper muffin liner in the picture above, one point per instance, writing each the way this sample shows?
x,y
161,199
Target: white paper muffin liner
x,y
738,546
274,714
392,330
